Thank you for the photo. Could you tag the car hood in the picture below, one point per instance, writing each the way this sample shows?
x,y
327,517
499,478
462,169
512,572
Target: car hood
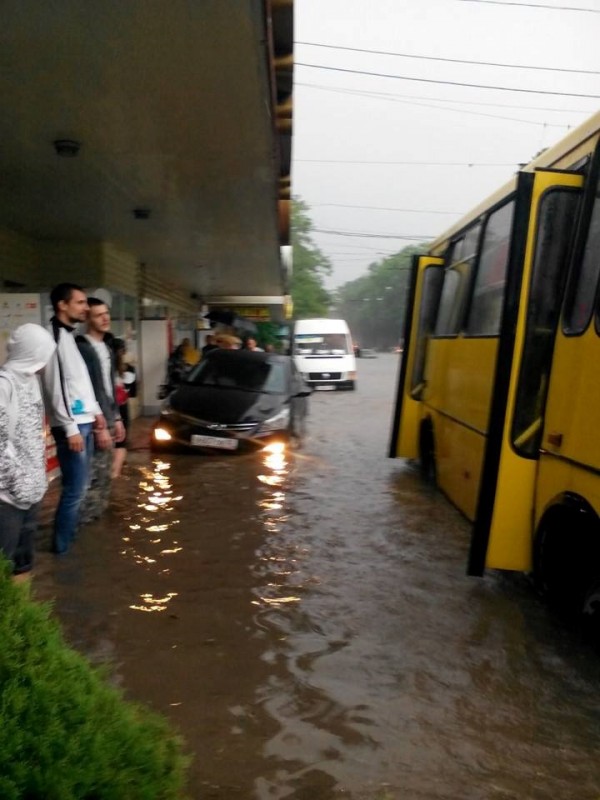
x,y
226,406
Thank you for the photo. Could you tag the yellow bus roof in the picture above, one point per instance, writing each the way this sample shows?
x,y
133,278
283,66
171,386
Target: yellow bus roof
x,y
567,152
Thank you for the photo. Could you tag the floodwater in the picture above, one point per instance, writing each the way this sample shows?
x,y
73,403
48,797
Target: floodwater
x,y
306,622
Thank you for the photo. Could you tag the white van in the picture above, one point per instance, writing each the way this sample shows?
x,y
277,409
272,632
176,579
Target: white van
x,y
324,353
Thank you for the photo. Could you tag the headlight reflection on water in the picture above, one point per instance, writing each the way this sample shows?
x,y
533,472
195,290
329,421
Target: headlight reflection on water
x,y
276,560
150,538
153,603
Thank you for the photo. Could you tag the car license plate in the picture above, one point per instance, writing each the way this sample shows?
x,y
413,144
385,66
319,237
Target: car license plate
x,y
325,388
214,441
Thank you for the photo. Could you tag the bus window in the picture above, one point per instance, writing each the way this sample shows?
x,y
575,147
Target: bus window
x,y
432,286
488,292
457,280
556,223
580,298
450,295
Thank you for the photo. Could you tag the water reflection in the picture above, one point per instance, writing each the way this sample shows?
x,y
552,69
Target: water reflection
x,y
271,502
151,603
154,513
276,567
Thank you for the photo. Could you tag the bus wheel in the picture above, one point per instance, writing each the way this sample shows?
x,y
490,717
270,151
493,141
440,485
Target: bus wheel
x,y
427,452
590,613
564,551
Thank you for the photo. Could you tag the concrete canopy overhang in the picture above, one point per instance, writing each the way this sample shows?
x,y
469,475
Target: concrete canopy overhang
x,y
181,108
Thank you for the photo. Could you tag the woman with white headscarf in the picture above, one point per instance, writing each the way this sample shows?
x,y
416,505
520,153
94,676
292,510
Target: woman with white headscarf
x,y
23,480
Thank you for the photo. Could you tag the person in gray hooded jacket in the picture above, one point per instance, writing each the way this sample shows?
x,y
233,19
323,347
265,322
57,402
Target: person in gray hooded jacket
x,y
23,480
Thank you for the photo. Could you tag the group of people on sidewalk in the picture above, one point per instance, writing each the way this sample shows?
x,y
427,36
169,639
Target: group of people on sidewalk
x,y
81,384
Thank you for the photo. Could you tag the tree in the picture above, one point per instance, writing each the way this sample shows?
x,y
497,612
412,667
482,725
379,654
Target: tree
x,y
310,267
374,305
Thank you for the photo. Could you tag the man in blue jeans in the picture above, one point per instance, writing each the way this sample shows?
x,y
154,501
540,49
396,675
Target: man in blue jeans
x,y
75,416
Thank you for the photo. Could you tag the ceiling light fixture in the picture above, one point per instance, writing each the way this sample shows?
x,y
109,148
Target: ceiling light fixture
x,y
67,148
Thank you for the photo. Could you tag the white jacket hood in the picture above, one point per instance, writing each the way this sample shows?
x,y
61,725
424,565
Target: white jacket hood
x,y
29,348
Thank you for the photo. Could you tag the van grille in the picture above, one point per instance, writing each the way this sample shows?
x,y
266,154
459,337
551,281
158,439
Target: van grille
x,y
328,376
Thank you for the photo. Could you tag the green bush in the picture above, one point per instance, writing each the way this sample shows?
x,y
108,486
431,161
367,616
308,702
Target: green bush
x,y
65,732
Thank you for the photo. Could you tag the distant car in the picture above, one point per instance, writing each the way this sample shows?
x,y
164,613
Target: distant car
x,y
367,352
232,399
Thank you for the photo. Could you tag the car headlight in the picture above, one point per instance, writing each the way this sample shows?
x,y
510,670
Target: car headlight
x,y
278,421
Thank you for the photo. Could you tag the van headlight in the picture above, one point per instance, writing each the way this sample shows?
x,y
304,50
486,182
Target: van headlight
x,y
277,422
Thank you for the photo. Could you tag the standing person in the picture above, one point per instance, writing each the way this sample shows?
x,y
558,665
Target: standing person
x,y
99,359
125,387
189,353
74,413
227,341
176,367
23,480
210,344
250,344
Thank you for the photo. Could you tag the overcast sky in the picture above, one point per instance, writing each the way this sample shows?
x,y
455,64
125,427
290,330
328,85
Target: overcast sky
x,y
461,142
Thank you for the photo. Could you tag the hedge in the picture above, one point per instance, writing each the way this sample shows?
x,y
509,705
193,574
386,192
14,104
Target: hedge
x,y
65,732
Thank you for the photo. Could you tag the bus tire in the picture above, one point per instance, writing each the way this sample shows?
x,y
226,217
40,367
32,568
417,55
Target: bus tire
x,y
427,452
590,613
566,552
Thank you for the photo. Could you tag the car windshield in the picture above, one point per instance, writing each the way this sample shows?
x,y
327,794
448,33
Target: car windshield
x,y
321,344
242,374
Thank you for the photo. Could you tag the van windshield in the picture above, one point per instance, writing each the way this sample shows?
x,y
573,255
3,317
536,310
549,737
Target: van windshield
x,y
321,344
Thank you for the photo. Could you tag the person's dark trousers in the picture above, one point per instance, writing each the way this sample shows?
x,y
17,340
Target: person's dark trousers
x,y
17,534
74,468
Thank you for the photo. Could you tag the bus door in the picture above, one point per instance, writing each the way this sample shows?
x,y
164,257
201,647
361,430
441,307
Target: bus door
x,y
544,222
570,447
424,295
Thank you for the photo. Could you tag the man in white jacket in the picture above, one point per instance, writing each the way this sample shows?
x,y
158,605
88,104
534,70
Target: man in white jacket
x,y
75,416
23,479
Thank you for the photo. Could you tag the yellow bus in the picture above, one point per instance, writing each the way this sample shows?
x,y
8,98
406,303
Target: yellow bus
x,y
499,387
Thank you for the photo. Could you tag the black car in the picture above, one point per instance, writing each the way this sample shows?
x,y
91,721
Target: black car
x,y
232,398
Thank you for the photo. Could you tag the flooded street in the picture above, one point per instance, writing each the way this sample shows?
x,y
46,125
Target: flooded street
x,y
307,624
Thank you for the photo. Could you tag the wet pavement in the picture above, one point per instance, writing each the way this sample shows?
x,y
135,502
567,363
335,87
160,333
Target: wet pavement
x,y
307,624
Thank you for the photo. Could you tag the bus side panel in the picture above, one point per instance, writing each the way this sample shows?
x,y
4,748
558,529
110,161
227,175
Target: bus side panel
x,y
408,412
574,399
459,456
458,389
504,520
570,458
459,379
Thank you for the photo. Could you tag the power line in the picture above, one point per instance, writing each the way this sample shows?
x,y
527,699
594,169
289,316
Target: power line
x,y
445,83
438,107
531,5
449,60
401,163
383,208
393,95
373,235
